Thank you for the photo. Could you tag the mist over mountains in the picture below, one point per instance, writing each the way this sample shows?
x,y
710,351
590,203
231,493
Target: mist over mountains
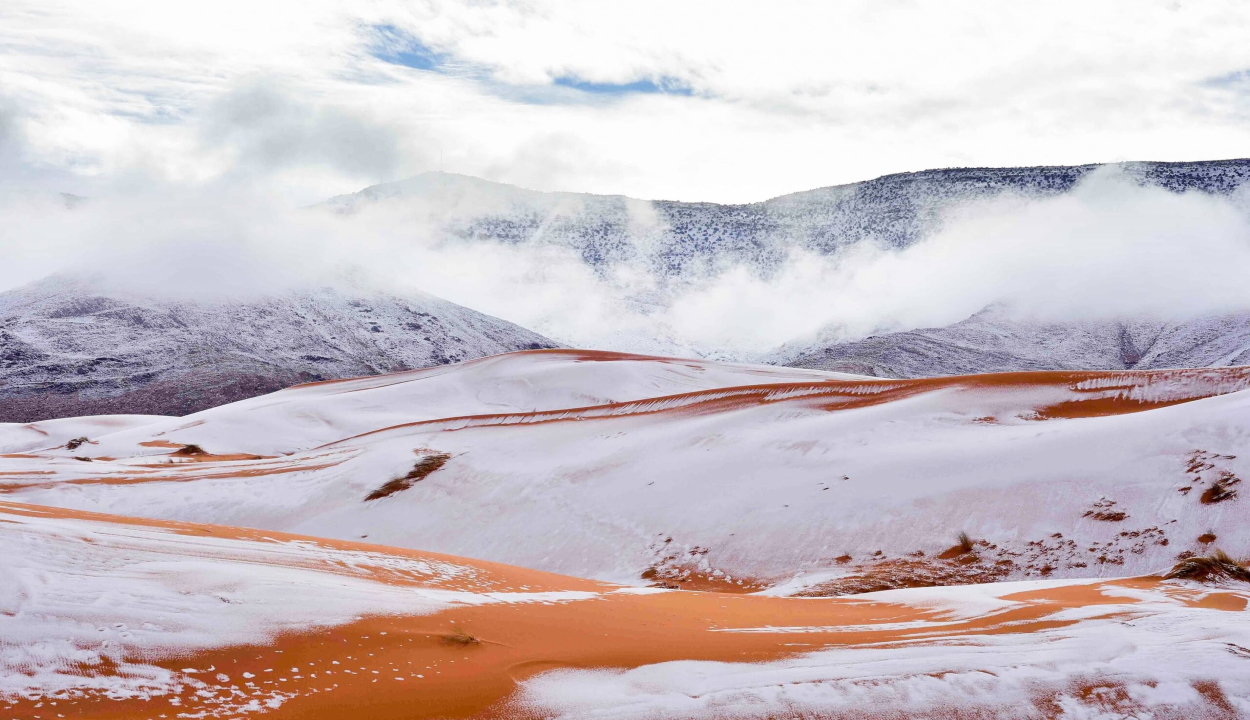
x,y
1098,243
683,238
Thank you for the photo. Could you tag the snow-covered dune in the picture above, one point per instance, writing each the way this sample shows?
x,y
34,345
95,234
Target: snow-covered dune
x,y
306,416
50,434
697,474
108,617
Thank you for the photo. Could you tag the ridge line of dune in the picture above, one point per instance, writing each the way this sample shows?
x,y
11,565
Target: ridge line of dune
x,y
867,389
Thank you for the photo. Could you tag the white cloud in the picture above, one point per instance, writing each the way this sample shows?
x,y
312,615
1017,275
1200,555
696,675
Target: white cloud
x,y
793,96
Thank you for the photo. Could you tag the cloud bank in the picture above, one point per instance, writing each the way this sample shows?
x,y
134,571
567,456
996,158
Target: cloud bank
x,y
1110,248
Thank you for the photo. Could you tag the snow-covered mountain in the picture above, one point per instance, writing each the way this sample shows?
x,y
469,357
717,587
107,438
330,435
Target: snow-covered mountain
x,y
675,238
995,340
679,246
76,346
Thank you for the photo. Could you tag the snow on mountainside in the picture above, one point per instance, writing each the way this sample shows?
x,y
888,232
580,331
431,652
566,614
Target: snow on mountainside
x,y
994,341
678,246
697,474
75,346
674,238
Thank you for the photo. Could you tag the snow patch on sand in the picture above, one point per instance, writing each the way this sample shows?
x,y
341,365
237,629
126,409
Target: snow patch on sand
x,y
1131,660
86,606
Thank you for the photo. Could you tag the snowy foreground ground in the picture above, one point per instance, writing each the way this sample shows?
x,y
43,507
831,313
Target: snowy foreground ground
x,y
649,478
113,618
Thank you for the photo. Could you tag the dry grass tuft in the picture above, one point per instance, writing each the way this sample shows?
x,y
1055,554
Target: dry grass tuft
x,y
964,550
1104,510
1220,490
76,443
965,542
460,637
420,471
191,449
963,569
1216,566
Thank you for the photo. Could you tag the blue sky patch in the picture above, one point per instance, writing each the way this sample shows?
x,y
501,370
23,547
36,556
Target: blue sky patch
x,y
1239,80
398,47
665,86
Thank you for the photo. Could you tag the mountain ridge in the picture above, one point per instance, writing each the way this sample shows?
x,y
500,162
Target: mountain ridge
x,y
995,341
73,346
1167,173
675,239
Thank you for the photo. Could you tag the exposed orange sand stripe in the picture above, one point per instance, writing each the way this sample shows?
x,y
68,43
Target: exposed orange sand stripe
x,y
833,395
180,472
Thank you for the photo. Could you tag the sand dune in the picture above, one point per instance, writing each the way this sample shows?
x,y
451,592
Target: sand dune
x,y
53,434
112,617
652,471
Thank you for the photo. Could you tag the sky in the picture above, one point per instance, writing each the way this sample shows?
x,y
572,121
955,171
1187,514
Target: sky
x,y
717,101
202,132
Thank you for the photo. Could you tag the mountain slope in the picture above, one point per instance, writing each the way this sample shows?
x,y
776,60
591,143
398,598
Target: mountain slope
x,y
995,341
75,346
